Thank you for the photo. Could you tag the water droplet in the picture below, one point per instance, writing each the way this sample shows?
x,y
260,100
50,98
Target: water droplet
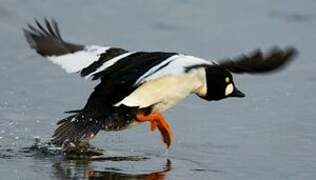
x,y
91,135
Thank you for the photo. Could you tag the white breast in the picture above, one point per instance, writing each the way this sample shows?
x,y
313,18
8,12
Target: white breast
x,y
167,91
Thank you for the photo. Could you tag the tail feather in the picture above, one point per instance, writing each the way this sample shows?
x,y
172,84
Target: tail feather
x,y
85,125
73,111
76,128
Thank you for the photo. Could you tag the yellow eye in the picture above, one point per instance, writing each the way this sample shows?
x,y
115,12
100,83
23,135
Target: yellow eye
x,y
227,79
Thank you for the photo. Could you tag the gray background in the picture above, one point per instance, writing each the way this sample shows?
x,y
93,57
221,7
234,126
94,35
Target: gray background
x,y
270,134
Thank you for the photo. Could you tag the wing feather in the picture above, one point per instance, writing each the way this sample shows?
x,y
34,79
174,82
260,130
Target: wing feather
x,y
258,63
47,41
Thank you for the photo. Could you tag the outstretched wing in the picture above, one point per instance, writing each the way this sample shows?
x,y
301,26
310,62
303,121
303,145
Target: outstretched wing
x,y
257,62
47,41
87,59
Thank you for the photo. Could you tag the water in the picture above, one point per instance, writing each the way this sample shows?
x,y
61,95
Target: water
x,y
270,134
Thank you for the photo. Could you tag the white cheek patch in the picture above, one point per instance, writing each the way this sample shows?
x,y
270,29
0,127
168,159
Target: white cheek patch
x,y
229,89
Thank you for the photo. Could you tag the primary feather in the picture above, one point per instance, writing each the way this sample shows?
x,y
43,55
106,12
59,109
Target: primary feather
x,y
258,63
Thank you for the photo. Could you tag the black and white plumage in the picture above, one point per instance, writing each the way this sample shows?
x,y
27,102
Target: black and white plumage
x,y
139,82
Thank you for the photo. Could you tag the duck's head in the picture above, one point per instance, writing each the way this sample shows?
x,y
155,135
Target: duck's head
x,y
220,84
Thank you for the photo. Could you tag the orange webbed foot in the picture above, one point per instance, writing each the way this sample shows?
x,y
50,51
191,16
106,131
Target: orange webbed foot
x,y
158,121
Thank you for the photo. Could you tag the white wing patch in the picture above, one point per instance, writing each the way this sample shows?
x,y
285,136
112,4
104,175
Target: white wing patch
x,y
177,65
151,71
109,63
74,62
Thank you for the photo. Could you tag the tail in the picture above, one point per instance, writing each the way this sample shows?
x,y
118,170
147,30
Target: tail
x,y
76,128
84,124
47,40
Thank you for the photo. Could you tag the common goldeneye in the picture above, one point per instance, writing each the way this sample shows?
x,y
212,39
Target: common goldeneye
x,y
138,86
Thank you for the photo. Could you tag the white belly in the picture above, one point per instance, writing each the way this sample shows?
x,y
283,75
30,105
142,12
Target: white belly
x,y
167,91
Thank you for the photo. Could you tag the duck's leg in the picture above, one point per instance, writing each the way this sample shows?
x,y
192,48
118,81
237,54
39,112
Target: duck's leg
x,y
158,121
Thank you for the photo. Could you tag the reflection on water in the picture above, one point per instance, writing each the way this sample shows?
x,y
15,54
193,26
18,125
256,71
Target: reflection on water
x,y
112,165
114,174
75,169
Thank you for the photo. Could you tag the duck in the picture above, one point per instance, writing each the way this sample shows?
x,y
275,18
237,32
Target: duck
x,y
138,86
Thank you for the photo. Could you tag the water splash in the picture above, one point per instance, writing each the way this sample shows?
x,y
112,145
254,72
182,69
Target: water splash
x,y
40,147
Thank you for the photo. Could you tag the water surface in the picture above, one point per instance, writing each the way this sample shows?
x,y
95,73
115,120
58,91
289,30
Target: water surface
x,y
270,134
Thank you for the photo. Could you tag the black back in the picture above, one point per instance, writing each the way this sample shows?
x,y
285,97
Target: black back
x,y
118,81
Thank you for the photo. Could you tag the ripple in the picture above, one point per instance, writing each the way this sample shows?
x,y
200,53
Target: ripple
x,y
290,16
